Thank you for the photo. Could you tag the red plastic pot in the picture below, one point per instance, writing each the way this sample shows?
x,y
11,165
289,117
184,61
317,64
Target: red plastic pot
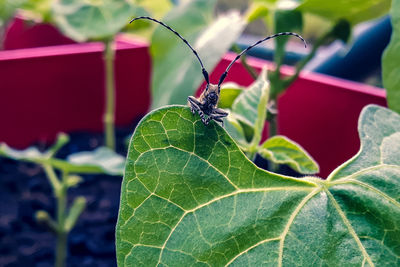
x,y
61,88
54,89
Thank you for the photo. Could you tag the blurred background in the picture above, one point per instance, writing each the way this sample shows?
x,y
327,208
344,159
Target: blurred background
x,y
78,66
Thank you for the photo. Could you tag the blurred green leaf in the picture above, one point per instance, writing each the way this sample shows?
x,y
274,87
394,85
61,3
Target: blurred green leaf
x,y
288,20
176,71
7,10
102,157
93,20
285,21
257,10
229,92
157,8
101,160
391,59
75,211
235,130
282,150
73,180
249,105
38,10
354,11
246,119
342,30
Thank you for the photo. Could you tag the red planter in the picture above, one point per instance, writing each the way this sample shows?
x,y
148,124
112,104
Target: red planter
x,y
61,88
47,90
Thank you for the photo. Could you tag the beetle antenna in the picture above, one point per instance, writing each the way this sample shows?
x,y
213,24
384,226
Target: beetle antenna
x,y
205,73
223,76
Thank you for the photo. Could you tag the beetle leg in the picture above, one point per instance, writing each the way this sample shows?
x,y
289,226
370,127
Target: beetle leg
x,y
218,117
195,106
220,112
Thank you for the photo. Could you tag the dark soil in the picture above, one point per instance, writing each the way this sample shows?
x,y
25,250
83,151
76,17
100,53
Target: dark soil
x,y
24,189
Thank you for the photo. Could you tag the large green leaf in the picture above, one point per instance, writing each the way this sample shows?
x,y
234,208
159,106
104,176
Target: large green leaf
x,y
191,197
282,150
391,59
93,19
176,71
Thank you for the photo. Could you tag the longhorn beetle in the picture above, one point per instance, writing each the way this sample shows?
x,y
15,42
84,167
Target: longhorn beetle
x,y
206,104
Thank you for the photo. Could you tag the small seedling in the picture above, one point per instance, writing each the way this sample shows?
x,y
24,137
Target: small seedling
x,y
101,160
207,104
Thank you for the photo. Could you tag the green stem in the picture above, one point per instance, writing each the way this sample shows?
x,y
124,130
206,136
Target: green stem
x,y
53,179
61,249
62,234
243,60
60,191
305,60
273,125
109,114
278,84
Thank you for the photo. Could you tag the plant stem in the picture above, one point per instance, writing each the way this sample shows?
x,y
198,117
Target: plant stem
x,y
60,192
305,60
52,177
109,114
278,84
61,249
62,235
243,60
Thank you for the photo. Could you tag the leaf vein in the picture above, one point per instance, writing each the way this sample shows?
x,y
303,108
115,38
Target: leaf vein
x,y
350,227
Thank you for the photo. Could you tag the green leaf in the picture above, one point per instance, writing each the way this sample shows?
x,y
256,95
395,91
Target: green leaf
x,y
288,20
176,71
74,212
235,130
285,21
7,10
391,59
37,10
101,160
92,19
250,107
282,150
354,11
73,180
342,30
257,10
191,197
229,92
157,8
29,154
379,130
104,158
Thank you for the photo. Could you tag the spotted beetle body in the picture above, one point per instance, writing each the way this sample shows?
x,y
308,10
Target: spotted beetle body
x,y
207,105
